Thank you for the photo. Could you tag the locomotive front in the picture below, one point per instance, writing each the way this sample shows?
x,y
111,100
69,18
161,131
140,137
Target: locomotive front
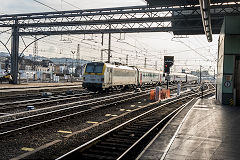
x,y
93,77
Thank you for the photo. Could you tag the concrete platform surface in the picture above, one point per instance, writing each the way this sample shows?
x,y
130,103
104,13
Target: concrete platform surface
x,y
209,131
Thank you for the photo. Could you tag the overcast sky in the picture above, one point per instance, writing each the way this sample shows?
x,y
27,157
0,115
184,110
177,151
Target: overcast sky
x,y
191,51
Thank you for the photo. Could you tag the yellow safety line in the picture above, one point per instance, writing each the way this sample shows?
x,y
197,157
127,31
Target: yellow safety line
x,y
60,131
92,122
27,149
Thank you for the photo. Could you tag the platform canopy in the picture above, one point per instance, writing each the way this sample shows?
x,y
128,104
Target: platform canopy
x,y
183,2
205,9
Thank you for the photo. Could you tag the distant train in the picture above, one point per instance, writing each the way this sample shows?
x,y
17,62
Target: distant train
x,y
103,76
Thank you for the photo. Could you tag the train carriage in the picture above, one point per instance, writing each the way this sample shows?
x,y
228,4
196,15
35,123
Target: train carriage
x,y
103,76
147,76
179,77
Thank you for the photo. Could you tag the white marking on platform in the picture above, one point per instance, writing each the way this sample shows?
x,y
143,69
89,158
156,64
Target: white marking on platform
x,y
128,110
200,106
139,102
122,109
114,115
107,115
132,105
201,109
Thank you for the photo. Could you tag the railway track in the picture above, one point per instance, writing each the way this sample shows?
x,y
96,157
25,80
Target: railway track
x,y
127,140
66,111
52,100
62,111
40,102
30,96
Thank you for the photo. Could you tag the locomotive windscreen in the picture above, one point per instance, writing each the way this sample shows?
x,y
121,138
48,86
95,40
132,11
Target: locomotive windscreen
x,y
94,67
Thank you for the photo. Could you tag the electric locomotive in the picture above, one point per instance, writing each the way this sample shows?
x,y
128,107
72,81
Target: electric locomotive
x,y
102,76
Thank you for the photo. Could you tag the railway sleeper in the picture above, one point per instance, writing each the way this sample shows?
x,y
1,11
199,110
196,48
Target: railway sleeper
x,y
110,147
138,127
143,124
132,133
134,130
147,122
121,140
114,144
103,152
87,156
127,135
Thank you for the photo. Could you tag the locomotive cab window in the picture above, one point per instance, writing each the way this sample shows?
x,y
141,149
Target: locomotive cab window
x,y
94,68
90,68
98,69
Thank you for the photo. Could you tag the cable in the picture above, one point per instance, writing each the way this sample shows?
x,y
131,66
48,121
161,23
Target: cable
x,y
70,4
45,5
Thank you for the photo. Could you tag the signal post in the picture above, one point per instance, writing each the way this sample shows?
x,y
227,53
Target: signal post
x,y
168,62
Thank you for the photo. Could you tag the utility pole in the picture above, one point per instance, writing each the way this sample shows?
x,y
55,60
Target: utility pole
x,y
214,74
35,52
145,62
102,50
14,52
78,54
102,55
155,65
200,74
127,60
72,66
79,60
102,38
109,45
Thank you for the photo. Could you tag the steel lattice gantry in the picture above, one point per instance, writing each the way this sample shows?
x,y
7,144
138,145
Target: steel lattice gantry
x,y
183,20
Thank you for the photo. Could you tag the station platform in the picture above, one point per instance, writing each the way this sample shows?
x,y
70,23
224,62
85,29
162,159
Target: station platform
x,y
203,130
32,88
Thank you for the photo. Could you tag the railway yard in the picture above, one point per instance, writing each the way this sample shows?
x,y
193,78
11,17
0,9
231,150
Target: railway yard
x,y
120,80
91,125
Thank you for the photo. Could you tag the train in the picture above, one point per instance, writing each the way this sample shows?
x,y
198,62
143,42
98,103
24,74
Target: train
x,y
104,76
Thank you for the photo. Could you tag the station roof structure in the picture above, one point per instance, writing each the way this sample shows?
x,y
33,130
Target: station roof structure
x,y
183,2
205,9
